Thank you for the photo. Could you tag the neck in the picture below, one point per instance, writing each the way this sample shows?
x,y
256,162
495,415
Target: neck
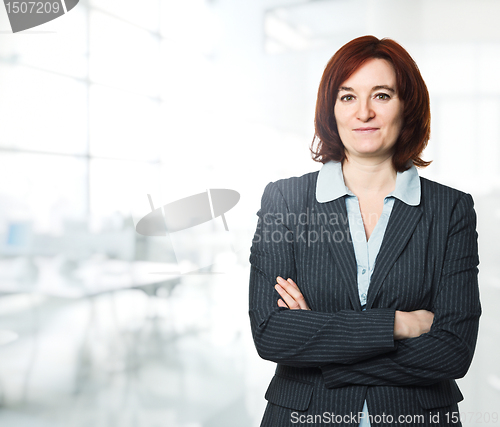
x,y
369,176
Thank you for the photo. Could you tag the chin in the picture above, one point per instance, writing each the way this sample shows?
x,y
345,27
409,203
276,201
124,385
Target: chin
x,y
371,152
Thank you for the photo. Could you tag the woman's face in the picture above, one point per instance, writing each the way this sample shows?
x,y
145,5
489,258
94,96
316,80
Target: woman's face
x,y
368,111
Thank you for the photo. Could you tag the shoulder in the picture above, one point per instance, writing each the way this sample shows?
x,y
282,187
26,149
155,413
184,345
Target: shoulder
x,y
295,183
438,188
439,199
295,192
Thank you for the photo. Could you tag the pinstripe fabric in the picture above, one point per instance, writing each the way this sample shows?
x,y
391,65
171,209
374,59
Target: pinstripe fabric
x,y
333,357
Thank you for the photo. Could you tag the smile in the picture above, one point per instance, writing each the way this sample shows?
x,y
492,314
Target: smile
x,y
365,130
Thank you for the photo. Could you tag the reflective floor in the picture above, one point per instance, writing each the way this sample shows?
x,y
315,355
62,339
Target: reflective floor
x,y
182,357
131,359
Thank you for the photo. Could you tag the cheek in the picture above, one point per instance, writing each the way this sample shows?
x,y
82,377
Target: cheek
x,y
340,117
400,125
336,115
397,123
399,117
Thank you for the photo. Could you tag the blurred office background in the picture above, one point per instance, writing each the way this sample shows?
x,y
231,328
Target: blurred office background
x,y
119,99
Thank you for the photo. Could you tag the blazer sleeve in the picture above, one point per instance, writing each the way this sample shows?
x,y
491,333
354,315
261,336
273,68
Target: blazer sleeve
x,y
446,351
303,338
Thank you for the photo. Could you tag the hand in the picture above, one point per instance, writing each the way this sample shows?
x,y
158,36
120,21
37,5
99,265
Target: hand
x,y
412,324
291,297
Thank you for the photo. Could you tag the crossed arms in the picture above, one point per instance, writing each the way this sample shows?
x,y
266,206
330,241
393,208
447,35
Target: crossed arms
x,y
380,346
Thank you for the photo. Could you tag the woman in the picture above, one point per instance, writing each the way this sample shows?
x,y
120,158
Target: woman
x,y
363,285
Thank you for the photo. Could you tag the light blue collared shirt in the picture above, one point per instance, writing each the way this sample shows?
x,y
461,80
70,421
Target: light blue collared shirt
x,y
331,186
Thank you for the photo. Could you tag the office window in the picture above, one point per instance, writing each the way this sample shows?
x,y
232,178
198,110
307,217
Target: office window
x,y
54,120
117,186
123,125
123,55
42,189
98,92
59,46
143,14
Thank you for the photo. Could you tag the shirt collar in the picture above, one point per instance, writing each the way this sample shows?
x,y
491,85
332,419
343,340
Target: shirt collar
x,y
330,185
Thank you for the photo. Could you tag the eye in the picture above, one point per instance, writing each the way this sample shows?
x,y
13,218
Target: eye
x,y
382,96
347,98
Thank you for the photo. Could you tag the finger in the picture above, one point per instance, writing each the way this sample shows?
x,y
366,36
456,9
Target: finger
x,y
293,284
290,302
293,302
286,298
280,279
281,303
303,303
294,292
288,282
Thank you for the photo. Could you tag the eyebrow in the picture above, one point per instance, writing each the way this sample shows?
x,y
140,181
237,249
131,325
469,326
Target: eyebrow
x,y
350,89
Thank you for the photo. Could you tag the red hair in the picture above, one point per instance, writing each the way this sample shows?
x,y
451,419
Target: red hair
x,y
411,88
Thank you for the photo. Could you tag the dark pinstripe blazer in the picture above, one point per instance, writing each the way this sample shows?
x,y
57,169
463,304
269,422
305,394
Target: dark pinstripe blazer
x,y
332,358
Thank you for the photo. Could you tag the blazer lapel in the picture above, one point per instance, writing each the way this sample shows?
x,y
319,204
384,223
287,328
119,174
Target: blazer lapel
x,y
340,244
404,218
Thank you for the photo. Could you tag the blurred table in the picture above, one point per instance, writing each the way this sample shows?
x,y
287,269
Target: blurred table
x,y
65,278
46,276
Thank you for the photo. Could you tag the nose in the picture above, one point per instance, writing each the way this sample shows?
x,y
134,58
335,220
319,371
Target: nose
x,y
365,111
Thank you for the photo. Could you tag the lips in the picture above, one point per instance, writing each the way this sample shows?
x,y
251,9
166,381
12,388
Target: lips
x,y
365,130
